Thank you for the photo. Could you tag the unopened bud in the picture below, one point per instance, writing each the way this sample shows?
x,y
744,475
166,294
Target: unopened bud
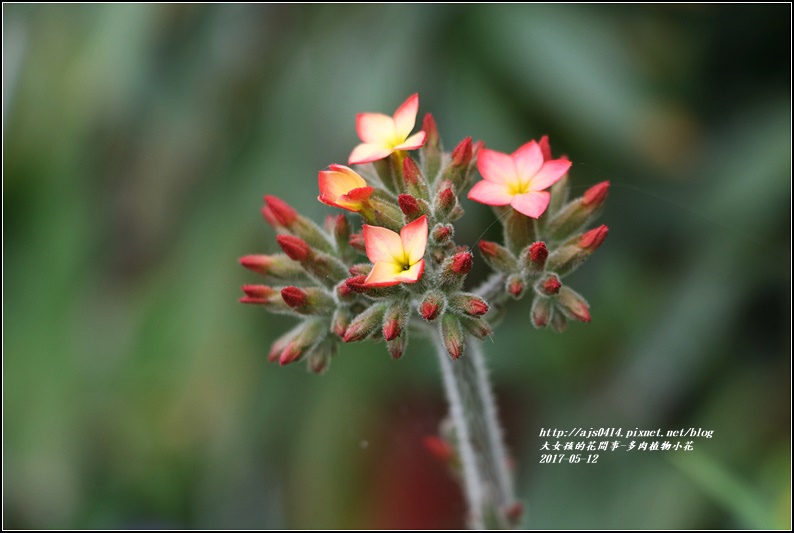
x,y
415,183
431,150
578,212
340,320
360,269
439,448
369,321
541,312
394,320
308,333
519,231
357,241
278,266
270,217
515,285
308,301
591,240
548,285
457,171
396,346
294,297
558,322
277,347
545,147
453,336
445,203
295,247
559,197
341,231
319,357
477,327
498,257
258,291
441,234
455,268
468,304
535,257
281,210
573,304
432,305
409,206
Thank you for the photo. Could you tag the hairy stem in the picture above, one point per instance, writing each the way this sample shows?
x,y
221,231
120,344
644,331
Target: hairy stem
x,y
486,479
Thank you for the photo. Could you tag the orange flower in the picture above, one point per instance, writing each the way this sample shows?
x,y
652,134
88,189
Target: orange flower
x,y
397,258
382,135
343,187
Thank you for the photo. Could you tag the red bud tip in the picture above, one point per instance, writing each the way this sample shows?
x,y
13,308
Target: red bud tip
x,y
440,448
430,129
294,296
545,147
462,263
257,291
441,232
357,242
551,285
343,290
446,198
408,205
270,217
596,194
411,172
285,214
356,284
429,310
290,354
488,248
339,328
516,287
461,155
477,307
538,253
252,300
454,349
353,333
360,269
581,312
295,247
257,263
593,238
391,330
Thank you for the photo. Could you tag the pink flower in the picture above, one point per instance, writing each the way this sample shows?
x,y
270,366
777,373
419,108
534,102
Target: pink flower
x,y
342,187
397,258
382,135
518,179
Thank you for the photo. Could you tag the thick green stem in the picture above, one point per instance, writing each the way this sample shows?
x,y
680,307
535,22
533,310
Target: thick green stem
x,y
486,479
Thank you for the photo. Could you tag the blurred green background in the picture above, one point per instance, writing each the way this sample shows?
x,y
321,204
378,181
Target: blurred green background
x,y
139,140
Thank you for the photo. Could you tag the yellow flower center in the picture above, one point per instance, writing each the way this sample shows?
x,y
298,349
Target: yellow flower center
x,y
519,187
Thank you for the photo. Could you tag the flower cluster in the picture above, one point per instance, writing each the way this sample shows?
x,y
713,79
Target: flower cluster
x,y
407,203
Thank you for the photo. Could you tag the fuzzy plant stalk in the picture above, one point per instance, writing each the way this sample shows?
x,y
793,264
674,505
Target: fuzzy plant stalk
x,y
396,271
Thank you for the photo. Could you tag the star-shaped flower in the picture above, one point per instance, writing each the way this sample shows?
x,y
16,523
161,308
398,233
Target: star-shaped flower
x,y
382,135
518,179
397,258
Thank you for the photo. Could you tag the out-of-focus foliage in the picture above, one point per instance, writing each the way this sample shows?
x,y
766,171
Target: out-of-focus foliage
x,y
138,141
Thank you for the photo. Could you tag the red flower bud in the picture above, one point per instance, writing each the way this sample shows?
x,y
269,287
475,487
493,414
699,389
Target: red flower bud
x,y
295,247
545,147
396,347
541,312
515,286
462,263
461,155
452,333
573,305
488,248
446,201
360,269
270,217
469,304
549,285
391,329
340,321
365,323
592,239
294,296
258,291
357,242
441,233
537,255
431,130
253,300
409,206
283,213
357,283
431,306
596,194
411,173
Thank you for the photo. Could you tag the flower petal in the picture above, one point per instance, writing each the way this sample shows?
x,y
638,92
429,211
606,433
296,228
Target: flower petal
x,y
367,153
528,160
414,239
549,173
531,204
413,142
338,181
384,274
375,128
405,116
545,147
383,245
413,274
490,193
496,167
